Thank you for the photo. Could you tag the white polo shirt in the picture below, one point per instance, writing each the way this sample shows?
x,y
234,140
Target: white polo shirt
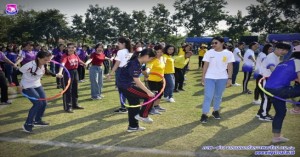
x,y
270,60
236,51
261,56
29,79
247,56
218,61
123,56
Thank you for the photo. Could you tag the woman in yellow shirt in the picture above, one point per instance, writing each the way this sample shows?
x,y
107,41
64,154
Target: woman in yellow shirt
x,y
169,73
155,83
201,51
179,63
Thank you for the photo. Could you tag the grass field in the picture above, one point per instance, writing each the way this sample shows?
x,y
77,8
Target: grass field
x,y
97,131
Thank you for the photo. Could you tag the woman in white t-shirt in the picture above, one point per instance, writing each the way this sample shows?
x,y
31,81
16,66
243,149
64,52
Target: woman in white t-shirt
x,y
32,87
249,63
215,77
123,55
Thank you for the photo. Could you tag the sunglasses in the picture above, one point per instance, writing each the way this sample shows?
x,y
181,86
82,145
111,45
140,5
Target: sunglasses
x,y
214,43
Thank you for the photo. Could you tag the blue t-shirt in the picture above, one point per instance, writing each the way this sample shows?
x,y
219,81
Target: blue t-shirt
x,y
12,56
128,72
283,74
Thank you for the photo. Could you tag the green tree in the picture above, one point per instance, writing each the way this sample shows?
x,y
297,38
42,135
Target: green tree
x,y
124,24
140,25
78,28
200,15
160,22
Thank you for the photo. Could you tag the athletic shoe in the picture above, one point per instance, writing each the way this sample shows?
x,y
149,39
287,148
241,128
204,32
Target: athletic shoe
x,y
256,102
247,92
181,89
69,110
279,139
153,111
27,128
171,100
101,96
146,120
98,98
236,85
175,90
6,103
130,129
41,123
78,108
166,98
293,111
121,110
204,118
265,118
216,114
257,115
160,109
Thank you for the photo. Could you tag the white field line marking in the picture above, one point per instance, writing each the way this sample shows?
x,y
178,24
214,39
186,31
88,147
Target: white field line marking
x,y
110,148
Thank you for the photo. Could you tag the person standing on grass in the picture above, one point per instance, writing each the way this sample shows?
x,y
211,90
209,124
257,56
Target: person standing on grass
x,y
123,55
31,84
134,90
27,54
3,81
155,83
169,73
12,56
267,67
96,72
268,48
179,63
57,55
249,63
82,54
236,65
106,63
201,52
70,60
279,84
215,77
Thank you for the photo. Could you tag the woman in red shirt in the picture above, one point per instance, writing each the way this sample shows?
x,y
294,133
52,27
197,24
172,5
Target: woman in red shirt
x,y
96,73
70,60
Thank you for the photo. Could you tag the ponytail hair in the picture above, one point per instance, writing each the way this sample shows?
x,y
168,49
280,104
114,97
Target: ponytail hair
x,y
127,43
144,52
40,55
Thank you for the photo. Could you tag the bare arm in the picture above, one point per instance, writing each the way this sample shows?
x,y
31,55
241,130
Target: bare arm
x,y
230,69
205,67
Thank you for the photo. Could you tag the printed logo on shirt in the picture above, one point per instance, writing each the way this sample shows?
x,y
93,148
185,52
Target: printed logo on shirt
x,y
73,62
224,59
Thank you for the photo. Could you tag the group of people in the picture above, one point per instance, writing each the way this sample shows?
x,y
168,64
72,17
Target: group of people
x,y
155,62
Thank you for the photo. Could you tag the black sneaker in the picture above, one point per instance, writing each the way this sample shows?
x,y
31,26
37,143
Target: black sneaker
x,y
69,110
159,108
41,123
131,129
216,114
121,110
78,107
204,118
27,128
181,89
265,118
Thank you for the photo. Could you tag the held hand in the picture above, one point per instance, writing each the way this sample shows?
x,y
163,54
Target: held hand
x,y
15,66
108,76
59,75
150,94
202,81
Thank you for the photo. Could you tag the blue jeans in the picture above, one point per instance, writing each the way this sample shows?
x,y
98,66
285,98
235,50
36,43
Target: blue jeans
x,y
213,90
236,68
96,78
37,110
280,106
170,83
121,96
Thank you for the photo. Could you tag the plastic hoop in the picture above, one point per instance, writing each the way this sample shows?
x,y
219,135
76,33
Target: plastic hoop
x,y
55,96
151,100
274,96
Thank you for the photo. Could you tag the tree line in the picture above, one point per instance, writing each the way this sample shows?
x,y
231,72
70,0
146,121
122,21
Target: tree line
x,y
105,24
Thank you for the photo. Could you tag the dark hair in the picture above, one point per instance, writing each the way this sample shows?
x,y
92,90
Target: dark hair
x,y
144,52
60,45
98,45
127,43
295,55
252,44
230,48
284,46
166,50
241,43
40,54
71,44
158,47
187,45
220,39
266,48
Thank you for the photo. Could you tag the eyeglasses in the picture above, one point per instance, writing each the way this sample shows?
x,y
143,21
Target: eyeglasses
x,y
214,43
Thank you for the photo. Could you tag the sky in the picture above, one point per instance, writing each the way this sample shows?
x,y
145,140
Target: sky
x,y
72,7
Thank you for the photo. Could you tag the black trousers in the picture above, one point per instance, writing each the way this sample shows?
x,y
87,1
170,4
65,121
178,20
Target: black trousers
x,y
200,63
70,97
156,87
179,78
58,80
4,87
106,66
81,72
133,95
266,103
247,76
258,92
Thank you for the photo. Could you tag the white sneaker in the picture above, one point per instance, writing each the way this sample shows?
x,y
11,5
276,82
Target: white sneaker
x,y
279,139
146,120
256,102
236,85
171,100
166,98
